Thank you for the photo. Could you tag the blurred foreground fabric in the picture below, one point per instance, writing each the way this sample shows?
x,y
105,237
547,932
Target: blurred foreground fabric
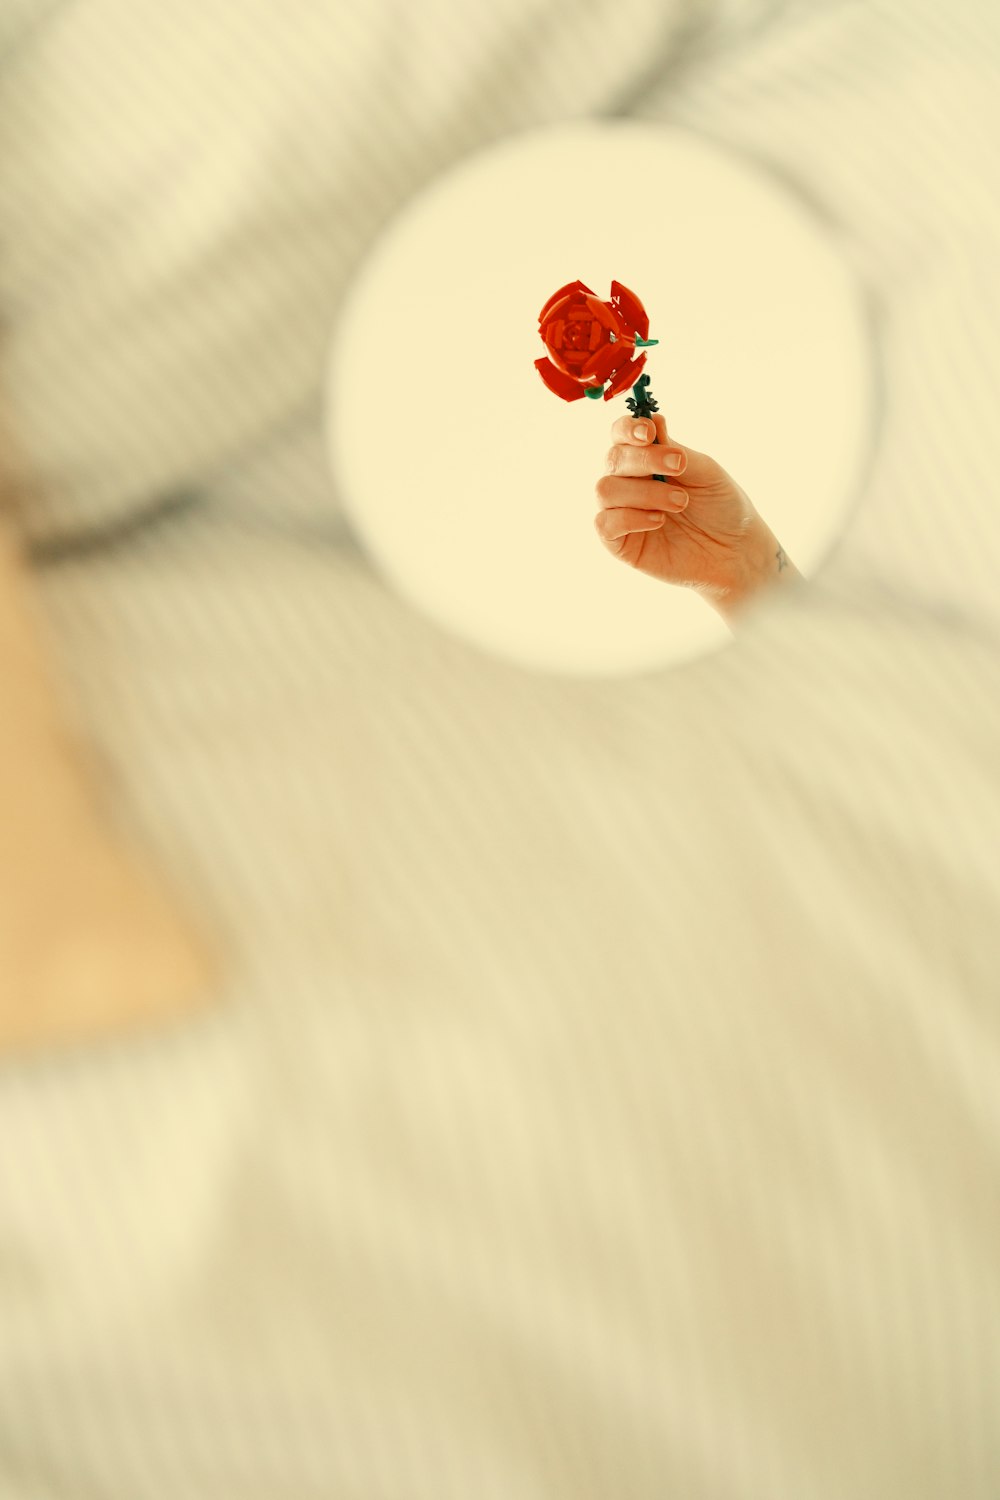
x,y
604,1099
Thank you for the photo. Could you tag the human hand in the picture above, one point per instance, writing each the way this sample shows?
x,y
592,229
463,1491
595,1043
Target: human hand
x,y
699,530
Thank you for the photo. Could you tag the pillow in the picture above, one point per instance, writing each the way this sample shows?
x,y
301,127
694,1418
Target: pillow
x,y
188,188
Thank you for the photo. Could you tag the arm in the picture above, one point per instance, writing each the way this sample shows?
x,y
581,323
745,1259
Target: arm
x,y
764,566
89,939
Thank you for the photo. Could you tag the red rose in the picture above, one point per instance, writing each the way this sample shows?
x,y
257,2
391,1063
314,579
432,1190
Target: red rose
x,y
590,341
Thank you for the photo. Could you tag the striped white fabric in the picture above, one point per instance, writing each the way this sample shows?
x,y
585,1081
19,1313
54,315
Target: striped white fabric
x,y
604,1100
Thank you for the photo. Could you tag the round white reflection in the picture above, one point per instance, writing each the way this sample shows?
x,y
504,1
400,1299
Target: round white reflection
x,y
471,485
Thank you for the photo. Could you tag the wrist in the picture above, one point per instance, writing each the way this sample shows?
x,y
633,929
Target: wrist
x,y
762,564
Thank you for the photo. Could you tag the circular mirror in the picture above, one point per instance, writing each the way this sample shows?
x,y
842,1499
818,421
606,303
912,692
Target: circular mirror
x,y
471,485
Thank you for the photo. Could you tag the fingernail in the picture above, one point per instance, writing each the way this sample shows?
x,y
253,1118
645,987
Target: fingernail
x,y
640,430
674,462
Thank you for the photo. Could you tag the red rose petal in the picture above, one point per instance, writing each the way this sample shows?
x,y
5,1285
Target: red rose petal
x,y
571,361
626,376
564,308
603,365
595,335
630,308
603,313
562,385
571,286
571,365
566,311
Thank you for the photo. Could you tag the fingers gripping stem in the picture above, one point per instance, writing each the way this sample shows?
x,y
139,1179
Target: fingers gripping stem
x,y
642,403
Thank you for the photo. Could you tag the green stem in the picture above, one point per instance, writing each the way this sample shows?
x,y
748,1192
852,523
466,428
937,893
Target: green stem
x,y
642,404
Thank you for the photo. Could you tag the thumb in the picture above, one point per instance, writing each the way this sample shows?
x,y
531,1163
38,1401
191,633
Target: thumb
x,y
700,468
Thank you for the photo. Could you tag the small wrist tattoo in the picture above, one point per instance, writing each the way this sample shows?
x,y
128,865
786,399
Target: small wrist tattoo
x,y
782,559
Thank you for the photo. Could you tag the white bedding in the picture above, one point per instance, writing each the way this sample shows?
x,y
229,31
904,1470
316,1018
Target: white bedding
x,y
604,1101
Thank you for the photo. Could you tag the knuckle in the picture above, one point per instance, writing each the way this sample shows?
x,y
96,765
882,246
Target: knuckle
x,y
603,488
612,460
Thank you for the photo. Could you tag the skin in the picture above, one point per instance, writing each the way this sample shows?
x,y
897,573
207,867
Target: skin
x,y
700,530
90,939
